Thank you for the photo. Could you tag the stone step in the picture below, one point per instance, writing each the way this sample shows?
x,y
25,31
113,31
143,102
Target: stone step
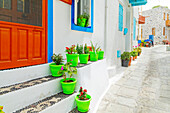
x,y
22,74
23,94
58,103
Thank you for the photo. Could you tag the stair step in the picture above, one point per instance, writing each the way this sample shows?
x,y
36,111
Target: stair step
x,y
17,96
76,111
7,89
43,104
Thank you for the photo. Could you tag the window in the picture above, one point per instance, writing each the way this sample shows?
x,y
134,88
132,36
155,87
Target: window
x,y
6,4
164,16
82,15
25,11
164,31
153,31
167,16
120,17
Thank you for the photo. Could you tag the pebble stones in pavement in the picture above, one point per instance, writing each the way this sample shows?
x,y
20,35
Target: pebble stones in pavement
x,y
145,90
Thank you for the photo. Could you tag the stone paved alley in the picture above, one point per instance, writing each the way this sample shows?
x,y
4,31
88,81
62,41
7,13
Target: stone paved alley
x,y
144,88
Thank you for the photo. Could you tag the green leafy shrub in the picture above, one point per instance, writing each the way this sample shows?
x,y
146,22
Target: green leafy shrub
x,y
133,53
58,59
125,56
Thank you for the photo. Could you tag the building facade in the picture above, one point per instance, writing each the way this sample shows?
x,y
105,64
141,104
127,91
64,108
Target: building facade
x,y
32,30
156,24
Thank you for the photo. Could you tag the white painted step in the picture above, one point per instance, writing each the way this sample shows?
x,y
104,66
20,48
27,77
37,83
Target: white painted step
x,y
22,97
18,75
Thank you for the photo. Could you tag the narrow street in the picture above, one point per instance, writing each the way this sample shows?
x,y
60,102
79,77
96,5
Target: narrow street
x,y
144,88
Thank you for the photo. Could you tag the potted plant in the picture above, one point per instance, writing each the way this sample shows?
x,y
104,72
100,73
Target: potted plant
x,y
125,57
133,54
72,56
83,100
83,20
94,53
139,51
56,66
83,53
68,84
101,54
1,108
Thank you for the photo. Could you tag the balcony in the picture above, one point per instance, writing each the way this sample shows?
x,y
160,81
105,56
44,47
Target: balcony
x,y
168,23
137,2
141,19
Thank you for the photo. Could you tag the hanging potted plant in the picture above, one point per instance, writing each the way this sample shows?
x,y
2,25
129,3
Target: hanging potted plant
x,y
56,66
83,53
83,20
125,57
83,100
68,84
72,56
101,54
94,53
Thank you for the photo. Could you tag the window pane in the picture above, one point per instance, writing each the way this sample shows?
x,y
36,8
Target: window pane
x,y
28,12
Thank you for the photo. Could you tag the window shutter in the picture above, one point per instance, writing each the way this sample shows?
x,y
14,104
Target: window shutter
x,y
120,17
67,1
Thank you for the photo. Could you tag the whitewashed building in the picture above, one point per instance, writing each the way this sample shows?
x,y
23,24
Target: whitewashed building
x,y
31,31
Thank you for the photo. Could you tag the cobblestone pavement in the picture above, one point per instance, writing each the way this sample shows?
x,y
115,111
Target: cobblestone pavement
x,y
144,88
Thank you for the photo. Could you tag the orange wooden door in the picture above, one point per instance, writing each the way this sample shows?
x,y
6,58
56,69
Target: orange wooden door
x,y
22,33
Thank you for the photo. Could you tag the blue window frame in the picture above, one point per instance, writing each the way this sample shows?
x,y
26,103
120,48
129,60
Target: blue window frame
x,y
134,28
120,17
79,28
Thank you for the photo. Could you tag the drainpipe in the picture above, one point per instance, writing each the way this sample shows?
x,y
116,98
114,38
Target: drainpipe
x,y
105,27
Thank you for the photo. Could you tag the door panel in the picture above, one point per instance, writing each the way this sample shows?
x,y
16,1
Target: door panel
x,y
5,44
22,33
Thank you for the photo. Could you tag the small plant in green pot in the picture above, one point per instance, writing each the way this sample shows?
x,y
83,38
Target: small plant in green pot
x,y
56,66
83,100
133,54
68,84
101,55
125,57
83,56
94,53
72,56
83,20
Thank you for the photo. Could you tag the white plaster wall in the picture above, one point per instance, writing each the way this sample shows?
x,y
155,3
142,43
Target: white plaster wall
x,y
115,40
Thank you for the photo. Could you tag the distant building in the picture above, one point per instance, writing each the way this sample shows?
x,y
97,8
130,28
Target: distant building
x,y
155,24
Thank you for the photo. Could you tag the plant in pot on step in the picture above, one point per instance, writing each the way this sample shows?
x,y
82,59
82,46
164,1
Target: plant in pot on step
x,y
56,66
72,56
83,20
101,54
68,84
125,57
133,54
139,51
83,53
83,100
94,53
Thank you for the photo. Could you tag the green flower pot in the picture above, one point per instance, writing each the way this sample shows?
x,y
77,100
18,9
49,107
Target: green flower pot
x,y
73,58
101,55
55,68
83,105
83,58
94,56
81,22
68,87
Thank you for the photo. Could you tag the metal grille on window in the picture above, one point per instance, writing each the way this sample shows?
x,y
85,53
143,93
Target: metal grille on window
x,y
25,11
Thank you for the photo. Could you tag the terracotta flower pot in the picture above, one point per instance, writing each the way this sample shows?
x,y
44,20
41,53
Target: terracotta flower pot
x,y
133,58
130,61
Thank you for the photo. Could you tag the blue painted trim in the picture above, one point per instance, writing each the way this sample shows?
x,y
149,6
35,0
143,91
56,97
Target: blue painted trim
x,y
118,53
79,28
134,28
50,30
137,2
120,17
125,31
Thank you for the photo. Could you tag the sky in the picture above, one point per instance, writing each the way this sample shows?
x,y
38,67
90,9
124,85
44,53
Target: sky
x,y
152,3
